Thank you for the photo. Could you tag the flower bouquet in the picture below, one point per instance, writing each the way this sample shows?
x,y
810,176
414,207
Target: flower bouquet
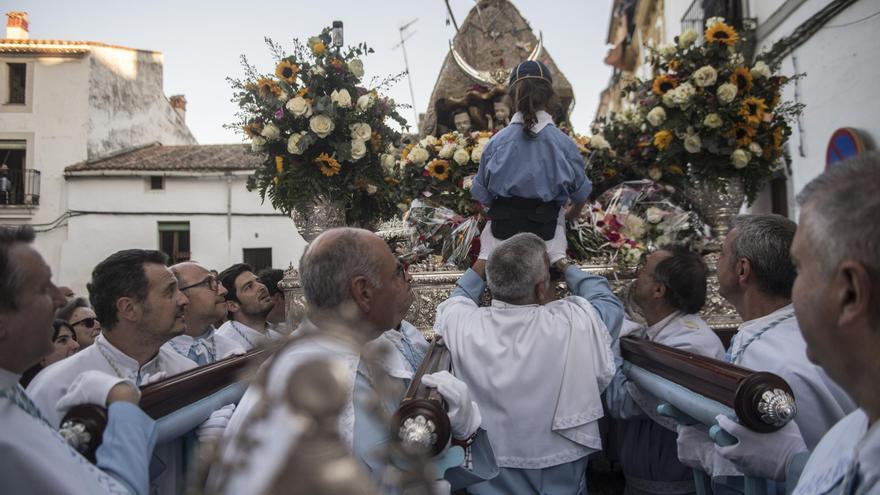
x,y
630,219
705,112
438,229
323,134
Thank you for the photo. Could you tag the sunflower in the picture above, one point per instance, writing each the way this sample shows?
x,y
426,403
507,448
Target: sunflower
x,y
674,65
279,164
753,110
405,153
676,170
328,165
438,169
721,33
778,136
662,84
287,71
268,88
253,129
662,140
743,134
742,78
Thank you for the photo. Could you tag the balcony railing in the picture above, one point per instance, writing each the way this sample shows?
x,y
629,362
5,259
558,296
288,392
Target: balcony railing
x,y
700,10
19,187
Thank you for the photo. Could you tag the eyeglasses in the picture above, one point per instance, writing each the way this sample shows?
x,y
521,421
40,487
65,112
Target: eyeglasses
x,y
89,322
211,281
401,268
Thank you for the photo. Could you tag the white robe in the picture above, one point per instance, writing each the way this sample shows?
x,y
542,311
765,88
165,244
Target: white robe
x,y
52,383
537,373
247,337
211,345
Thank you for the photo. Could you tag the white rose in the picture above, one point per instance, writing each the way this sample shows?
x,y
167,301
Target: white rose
x,y
705,76
446,151
356,67
654,214
321,125
372,189
476,154
341,98
740,158
756,150
461,156
656,116
633,227
687,38
429,141
669,98
298,106
365,102
317,70
684,93
666,50
632,255
418,155
655,173
713,121
293,143
271,132
358,149
257,143
663,240
713,20
360,131
761,70
726,92
693,143
736,59
598,142
388,163
467,183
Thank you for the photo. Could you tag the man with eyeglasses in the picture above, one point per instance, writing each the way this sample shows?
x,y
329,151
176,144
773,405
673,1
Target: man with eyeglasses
x,y
78,313
207,304
248,305
669,291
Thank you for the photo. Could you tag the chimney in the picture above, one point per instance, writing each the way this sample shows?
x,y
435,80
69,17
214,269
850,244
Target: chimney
x,y
16,25
178,103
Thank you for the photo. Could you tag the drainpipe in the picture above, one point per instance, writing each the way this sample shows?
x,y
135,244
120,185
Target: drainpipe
x,y
228,219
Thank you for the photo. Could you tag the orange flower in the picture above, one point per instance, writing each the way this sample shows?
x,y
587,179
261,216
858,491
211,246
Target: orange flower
x,y
286,71
438,169
742,78
752,110
721,33
674,65
279,164
662,84
375,141
253,129
662,139
676,170
268,88
337,64
328,165
405,152
778,137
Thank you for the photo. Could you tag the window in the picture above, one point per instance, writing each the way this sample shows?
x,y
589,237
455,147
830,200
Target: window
x,y
17,184
157,183
174,241
258,258
17,83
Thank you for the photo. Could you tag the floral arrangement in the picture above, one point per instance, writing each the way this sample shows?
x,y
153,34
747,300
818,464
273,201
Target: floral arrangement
x,y
630,219
440,171
323,134
706,112
437,229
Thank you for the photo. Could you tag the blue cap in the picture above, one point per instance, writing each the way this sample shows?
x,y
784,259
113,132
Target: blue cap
x,y
530,69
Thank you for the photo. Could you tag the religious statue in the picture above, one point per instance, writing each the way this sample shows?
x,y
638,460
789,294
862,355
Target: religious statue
x,y
500,113
462,121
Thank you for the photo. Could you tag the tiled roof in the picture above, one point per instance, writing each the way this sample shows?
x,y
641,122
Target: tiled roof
x,y
56,46
184,158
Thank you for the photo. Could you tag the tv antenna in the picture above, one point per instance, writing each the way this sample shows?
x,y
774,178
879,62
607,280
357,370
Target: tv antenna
x,y
402,45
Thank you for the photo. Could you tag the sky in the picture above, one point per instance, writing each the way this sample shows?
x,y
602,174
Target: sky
x,y
202,42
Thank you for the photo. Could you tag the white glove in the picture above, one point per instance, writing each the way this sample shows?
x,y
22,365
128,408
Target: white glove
x,y
762,455
695,448
147,379
557,246
464,414
213,427
487,242
90,387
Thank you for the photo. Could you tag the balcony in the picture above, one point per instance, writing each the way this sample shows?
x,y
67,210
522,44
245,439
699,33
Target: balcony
x,y
700,10
20,188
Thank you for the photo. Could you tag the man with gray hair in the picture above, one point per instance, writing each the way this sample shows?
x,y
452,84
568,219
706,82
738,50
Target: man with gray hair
x,y
357,294
836,297
756,274
536,366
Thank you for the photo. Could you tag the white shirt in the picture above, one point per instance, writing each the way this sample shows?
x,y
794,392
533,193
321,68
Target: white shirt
x,y
543,119
536,371
247,337
210,346
52,383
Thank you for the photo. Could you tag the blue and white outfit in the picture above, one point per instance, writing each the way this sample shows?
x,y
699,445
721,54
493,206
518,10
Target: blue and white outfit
x,y
548,167
37,460
537,373
647,441
207,348
363,435
846,461
246,337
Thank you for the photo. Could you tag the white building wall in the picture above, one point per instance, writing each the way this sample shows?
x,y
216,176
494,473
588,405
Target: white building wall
x,y
125,214
842,66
